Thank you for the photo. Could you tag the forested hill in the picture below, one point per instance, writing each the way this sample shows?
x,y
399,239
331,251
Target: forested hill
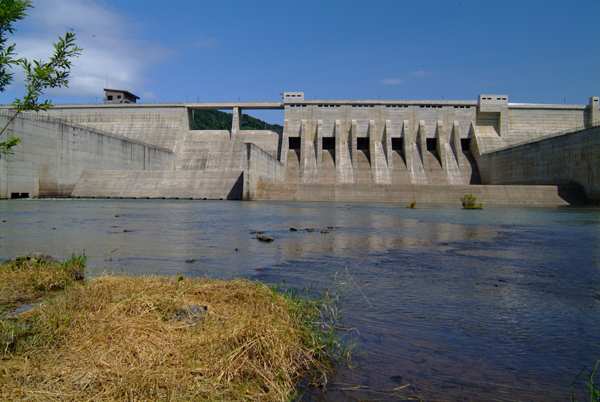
x,y
217,120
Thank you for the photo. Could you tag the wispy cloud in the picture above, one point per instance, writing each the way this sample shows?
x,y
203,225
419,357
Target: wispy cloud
x,y
392,81
399,80
419,73
110,57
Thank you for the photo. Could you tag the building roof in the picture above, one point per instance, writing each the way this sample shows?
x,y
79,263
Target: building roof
x,y
123,92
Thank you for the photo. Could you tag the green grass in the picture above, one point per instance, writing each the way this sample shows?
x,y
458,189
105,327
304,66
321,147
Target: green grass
x,y
469,201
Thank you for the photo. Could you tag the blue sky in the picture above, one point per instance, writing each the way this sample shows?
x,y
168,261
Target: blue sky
x,y
534,51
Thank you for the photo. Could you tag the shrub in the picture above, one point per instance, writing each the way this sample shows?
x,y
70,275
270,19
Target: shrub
x,y
469,201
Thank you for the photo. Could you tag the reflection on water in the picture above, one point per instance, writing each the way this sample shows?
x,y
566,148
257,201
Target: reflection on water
x,y
499,304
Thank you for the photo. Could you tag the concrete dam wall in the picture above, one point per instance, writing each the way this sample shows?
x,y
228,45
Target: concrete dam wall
x,y
54,153
329,150
564,159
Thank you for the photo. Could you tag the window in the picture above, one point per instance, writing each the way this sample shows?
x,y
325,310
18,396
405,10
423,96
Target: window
x,y
109,97
294,143
119,97
397,144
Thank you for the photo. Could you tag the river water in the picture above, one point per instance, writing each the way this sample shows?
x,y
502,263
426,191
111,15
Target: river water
x,y
440,303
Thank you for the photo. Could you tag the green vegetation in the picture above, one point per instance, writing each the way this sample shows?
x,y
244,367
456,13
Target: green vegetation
x,y
217,120
592,384
39,75
26,279
469,201
156,338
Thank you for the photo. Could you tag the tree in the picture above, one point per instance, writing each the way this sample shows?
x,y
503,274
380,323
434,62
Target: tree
x,y
39,75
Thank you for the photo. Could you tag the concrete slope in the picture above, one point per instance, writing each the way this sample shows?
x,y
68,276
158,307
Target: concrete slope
x,y
199,184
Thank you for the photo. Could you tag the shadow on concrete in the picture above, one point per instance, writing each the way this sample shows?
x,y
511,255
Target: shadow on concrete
x,y
237,190
573,193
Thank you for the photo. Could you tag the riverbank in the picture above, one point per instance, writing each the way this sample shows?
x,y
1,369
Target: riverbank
x,y
153,338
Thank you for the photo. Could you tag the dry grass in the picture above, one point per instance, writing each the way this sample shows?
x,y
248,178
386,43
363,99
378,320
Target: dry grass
x,y
26,279
145,338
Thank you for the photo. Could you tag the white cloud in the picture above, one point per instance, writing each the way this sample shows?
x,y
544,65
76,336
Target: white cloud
x,y
404,78
392,81
420,73
110,57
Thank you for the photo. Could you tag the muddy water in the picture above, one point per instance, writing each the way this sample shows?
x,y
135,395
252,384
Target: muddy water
x,y
440,303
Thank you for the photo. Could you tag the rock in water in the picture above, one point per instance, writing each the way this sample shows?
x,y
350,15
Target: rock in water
x,y
264,238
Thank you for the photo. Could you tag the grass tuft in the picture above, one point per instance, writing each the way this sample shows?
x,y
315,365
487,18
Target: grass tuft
x,y
158,338
26,279
469,201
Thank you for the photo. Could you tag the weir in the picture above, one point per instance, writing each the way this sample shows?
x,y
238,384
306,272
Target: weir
x,y
372,150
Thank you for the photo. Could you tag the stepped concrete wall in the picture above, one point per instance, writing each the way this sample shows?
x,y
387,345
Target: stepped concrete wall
x,y
411,142
379,148
53,154
564,159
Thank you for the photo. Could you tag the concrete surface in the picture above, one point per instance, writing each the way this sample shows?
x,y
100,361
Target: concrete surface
x,y
386,146
564,159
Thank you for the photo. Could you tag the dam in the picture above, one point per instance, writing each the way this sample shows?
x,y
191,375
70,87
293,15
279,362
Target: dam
x,y
431,151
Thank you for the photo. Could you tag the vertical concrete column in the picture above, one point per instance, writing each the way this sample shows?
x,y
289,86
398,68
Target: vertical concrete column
x,y
407,144
497,104
456,145
343,158
319,143
373,137
387,143
377,155
285,143
422,143
308,159
414,162
235,122
593,112
353,145
440,144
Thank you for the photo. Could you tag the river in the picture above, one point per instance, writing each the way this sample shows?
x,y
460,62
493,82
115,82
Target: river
x,y
439,303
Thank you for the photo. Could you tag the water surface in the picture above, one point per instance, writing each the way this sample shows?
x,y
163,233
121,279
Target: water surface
x,y
443,304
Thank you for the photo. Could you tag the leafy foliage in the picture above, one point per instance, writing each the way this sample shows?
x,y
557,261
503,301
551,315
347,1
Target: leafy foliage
x,y
469,201
217,120
11,11
39,75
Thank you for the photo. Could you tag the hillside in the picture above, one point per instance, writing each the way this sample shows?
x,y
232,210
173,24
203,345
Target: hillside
x,y
217,120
